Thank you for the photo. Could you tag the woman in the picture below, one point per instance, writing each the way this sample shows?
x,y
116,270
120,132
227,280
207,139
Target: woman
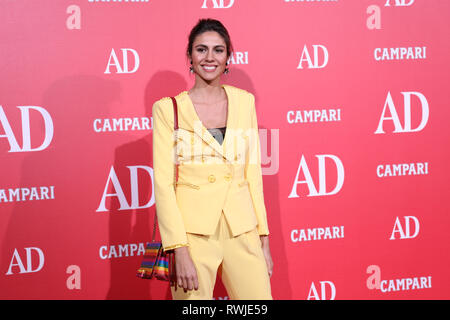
x,y
215,219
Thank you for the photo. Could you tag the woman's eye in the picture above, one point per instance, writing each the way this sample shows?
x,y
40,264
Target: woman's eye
x,y
219,50
201,49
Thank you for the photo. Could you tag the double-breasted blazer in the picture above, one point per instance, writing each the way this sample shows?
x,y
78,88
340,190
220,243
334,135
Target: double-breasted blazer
x,y
212,177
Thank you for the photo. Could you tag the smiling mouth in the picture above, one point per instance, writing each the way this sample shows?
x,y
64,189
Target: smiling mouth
x,y
209,68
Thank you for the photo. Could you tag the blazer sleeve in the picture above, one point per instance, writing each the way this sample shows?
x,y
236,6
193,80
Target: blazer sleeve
x,y
170,221
253,172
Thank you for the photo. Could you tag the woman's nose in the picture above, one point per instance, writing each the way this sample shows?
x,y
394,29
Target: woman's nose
x,y
209,56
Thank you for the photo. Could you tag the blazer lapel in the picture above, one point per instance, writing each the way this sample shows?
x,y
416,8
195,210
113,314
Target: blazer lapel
x,y
190,121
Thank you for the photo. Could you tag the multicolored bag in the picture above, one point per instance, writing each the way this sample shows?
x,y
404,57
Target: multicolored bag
x,y
156,262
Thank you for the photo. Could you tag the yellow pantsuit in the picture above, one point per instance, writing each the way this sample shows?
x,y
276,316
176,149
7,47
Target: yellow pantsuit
x,y
239,261
217,206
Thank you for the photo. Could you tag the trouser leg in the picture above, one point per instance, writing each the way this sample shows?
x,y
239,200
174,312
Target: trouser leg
x,y
244,269
206,254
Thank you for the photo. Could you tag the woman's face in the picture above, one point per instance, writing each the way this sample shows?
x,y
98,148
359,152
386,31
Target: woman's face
x,y
209,55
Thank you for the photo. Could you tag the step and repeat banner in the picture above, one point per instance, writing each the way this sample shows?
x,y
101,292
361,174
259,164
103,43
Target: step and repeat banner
x,y
352,98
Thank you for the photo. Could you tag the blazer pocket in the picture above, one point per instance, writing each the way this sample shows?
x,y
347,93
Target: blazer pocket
x,y
188,184
243,183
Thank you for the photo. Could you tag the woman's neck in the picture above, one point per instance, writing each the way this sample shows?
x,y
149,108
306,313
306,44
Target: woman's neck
x,y
206,92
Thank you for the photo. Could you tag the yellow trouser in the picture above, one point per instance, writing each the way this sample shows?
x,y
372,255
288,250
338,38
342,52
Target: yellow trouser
x,y
239,261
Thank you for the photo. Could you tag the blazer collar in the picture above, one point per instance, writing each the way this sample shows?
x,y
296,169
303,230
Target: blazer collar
x,y
190,121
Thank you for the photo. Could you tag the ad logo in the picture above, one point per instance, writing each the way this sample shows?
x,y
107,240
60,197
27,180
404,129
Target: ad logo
x,y
407,97
17,261
322,177
26,134
399,3
405,231
124,205
314,294
314,63
218,4
122,68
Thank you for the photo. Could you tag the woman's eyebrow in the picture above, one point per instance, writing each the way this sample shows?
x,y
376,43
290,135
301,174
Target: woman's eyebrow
x,y
204,45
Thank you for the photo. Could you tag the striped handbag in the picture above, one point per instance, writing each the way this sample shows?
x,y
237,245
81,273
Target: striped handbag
x,y
156,262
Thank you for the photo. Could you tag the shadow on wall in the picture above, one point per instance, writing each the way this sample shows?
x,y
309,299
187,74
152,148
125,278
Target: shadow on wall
x,y
64,229
136,226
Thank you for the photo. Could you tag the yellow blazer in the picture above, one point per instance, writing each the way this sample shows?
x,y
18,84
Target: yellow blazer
x,y
211,176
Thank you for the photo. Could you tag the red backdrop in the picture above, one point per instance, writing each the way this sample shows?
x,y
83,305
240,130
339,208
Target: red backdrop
x,y
352,102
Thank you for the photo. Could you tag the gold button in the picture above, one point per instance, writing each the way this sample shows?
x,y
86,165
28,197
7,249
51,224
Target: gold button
x,y
211,178
228,177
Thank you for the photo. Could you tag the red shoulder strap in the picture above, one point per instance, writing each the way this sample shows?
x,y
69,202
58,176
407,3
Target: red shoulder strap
x,y
175,113
175,127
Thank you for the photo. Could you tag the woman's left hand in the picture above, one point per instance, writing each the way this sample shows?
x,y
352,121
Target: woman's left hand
x,y
267,255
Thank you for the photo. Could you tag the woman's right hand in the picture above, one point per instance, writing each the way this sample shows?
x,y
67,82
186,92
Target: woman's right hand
x,y
185,270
